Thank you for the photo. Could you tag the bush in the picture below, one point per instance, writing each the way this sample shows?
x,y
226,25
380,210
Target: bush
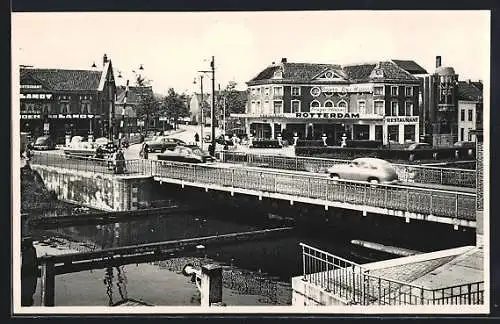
x,y
364,143
309,143
265,143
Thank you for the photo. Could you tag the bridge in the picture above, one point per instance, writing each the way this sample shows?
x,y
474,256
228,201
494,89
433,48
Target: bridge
x,y
453,206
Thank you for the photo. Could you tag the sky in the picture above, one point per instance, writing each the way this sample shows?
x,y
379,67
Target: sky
x,y
173,47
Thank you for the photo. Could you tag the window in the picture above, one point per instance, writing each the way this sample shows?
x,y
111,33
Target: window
x,y
379,107
267,109
85,108
254,91
314,104
409,91
295,106
278,75
46,109
259,107
393,133
461,133
462,115
394,108
23,108
394,91
253,108
409,131
295,91
378,90
278,107
328,93
342,104
362,107
266,91
278,91
361,132
329,104
315,91
470,115
408,108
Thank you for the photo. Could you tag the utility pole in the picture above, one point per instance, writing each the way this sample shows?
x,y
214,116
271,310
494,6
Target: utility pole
x,y
202,123
212,65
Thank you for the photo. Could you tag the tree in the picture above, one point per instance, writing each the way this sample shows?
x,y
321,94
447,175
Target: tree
x,y
147,107
174,106
235,100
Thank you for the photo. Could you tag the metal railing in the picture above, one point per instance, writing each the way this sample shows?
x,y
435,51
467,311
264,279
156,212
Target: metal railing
x,y
450,204
406,172
355,285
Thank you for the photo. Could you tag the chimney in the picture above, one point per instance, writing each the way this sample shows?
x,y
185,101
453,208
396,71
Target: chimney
x,y
104,59
272,63
469,81
438,61
283,60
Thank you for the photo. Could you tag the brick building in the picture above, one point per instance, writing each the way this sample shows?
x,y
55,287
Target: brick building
x,y
131,124
369,101
63,102
470,109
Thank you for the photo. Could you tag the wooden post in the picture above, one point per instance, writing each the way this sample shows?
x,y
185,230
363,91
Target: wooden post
x,y
211,284
48,282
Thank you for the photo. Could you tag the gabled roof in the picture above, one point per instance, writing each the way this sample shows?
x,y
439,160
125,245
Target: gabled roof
x,y
295,71
134,93
470,91
359,72
62,80
410,66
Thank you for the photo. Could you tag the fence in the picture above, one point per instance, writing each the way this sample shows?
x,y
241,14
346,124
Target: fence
x,y
355,285
406,173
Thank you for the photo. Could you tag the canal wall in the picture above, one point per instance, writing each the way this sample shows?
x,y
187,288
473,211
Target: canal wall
x,y
100,191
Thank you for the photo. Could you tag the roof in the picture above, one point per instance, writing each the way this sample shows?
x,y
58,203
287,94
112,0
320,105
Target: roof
x,y
62,80
133,95
470,90
410,66
393,70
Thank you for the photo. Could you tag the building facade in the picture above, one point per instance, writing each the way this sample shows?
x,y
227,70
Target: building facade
x,y
470,109
127,104
372,101
63,103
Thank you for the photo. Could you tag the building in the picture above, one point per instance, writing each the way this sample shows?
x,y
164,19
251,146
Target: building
x,y
65,103
369,101
127,104
470,109
195,100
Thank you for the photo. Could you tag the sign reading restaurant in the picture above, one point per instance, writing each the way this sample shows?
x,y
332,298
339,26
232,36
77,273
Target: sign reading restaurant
x,y
401,120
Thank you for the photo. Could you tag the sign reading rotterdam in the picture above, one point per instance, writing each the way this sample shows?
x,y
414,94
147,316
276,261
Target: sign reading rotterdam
x,y
325,115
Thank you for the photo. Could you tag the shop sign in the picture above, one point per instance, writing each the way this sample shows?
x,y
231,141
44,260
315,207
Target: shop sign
x,y
163,119
327,115
349,88
71,116
36,96
328,110
401,120
30,116
31,86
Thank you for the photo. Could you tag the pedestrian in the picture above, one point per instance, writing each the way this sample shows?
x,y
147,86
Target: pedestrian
x,y
29,271
196,138
146,151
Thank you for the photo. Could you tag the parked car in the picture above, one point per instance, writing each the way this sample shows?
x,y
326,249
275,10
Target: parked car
x,y
44,143
419,146
163,143
365,169
186,153
465,144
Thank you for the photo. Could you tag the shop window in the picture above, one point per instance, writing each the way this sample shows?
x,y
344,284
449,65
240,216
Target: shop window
x,y
409,131
394,91
470,114
315,104
24,108
329,104
295,106
409,91
295,91
379,107
378,90
462,115
408,108
362,107
378,132
278,107
393,133
394,108
361,132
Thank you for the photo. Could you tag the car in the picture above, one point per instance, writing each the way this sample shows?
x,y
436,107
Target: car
x,y
465,144
186,153
419,146
163,143
44,143
372,170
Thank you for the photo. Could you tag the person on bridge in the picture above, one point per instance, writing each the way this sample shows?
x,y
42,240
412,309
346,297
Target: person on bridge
x,y
144,150
196,138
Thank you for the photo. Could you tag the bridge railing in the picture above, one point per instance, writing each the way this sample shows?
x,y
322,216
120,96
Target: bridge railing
x,y
354,283
450,204
406,172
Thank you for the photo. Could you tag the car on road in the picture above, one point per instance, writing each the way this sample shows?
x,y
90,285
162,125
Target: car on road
x,y
163,143
44,143
466,144
372,170
186,153
419,146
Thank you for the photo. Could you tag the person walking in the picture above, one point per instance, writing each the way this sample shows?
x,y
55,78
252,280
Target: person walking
x,y
146,151
196,138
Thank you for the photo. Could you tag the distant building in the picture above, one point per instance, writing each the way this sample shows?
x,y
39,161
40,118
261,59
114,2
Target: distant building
x,y
470,109
368,101
62,102
195,104
135,93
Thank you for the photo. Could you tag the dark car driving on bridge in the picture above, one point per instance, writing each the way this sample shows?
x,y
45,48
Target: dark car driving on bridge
x,y
163,143
186,153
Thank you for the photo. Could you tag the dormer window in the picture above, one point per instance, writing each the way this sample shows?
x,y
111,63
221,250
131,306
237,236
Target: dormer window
x,y
278,74
379,73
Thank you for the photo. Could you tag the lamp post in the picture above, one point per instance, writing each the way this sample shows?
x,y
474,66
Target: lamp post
x,y
201,111
212,117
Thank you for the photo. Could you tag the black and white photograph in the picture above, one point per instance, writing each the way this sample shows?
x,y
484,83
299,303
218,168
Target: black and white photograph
x,y
290,162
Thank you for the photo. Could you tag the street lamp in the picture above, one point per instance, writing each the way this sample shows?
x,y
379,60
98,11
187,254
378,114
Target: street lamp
x,y
212,70
201,110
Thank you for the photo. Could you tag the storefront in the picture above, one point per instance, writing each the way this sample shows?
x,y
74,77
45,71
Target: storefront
x,y
401,130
